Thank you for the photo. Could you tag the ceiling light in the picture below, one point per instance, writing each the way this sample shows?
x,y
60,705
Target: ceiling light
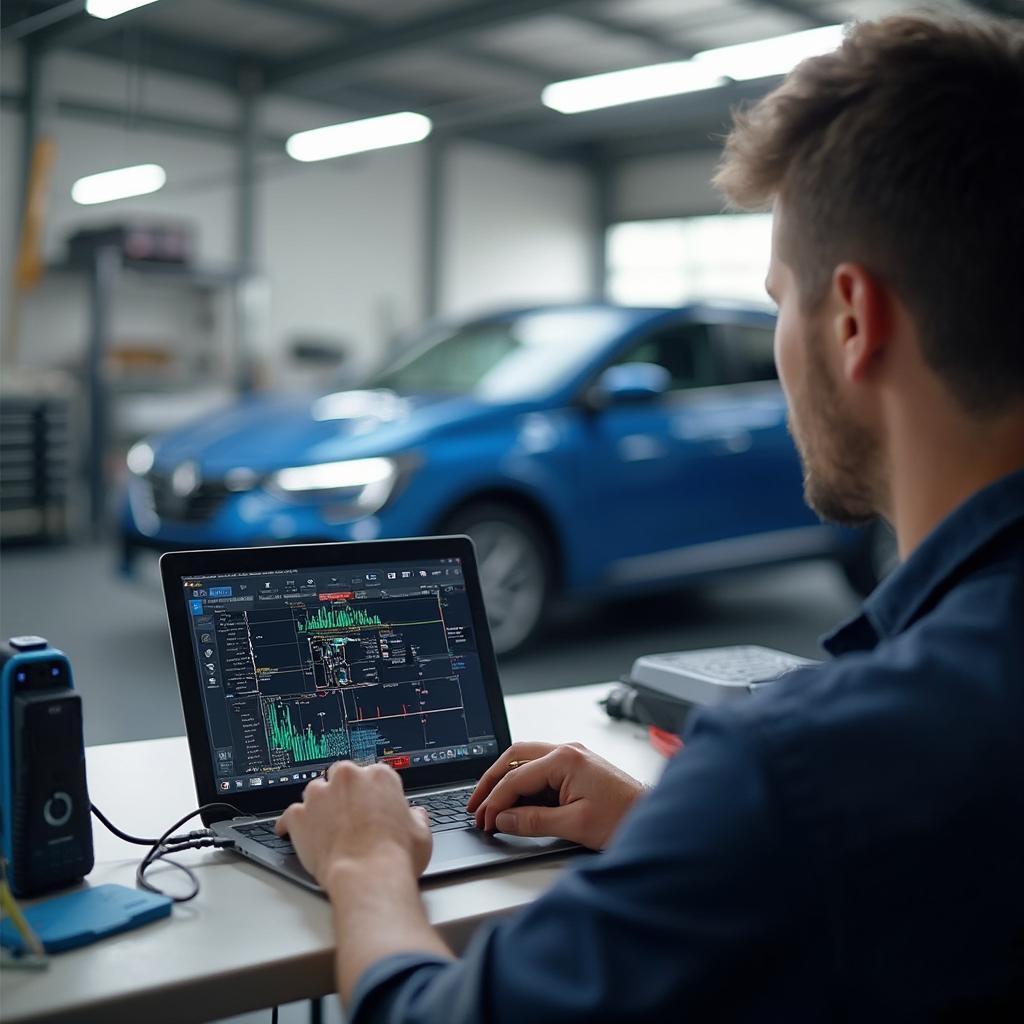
x,y
630,86
358,136
112,8
706,70
765,57
139,180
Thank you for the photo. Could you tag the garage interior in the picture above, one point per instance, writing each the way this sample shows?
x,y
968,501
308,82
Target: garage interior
x,y
297,273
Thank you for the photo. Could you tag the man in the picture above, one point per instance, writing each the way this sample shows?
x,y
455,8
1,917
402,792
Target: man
x,y
849,843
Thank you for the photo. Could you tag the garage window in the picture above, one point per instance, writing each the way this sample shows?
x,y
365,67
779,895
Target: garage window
x,y
685,259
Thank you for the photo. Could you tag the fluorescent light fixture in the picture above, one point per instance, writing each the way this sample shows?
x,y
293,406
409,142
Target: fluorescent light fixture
x,y
765,57
706,70
107,186
630,86
112,8
358,136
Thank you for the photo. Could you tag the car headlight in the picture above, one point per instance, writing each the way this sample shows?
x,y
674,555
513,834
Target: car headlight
x,y
140,458
365,484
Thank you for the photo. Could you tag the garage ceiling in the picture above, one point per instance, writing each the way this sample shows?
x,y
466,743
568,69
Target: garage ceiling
x,y
476,67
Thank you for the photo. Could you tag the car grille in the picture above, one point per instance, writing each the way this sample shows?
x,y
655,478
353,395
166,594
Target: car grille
x,y
198,507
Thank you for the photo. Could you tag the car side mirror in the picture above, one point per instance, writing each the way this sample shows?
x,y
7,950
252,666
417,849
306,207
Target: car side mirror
x,y
629,383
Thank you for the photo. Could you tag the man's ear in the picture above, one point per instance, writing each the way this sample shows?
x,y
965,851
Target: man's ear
x,y
861,321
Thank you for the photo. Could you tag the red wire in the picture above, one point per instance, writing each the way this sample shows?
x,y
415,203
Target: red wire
x,y
664,742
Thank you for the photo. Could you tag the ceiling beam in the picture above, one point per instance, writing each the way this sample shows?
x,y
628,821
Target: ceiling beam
x,y
21,27
798,9
163,52
368,44
82,28
347,22
650,36
160,51
105,113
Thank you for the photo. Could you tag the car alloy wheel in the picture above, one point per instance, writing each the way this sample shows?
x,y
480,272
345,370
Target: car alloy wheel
x,y
514,571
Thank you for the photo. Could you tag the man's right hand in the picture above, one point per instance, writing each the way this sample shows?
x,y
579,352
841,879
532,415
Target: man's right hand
x,y
593,795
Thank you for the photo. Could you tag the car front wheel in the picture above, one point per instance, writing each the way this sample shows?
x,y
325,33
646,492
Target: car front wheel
x,y
515,570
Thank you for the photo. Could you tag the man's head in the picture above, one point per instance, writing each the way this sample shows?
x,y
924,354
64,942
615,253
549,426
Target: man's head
x,y
895,167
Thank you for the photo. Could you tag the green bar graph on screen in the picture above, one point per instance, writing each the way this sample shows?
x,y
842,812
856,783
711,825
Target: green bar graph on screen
x,y
338,618
302,743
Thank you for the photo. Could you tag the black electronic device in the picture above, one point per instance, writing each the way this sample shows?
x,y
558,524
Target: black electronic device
x,y
44,799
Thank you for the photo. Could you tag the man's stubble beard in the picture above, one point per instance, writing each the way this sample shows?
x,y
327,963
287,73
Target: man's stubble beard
x,y
840,458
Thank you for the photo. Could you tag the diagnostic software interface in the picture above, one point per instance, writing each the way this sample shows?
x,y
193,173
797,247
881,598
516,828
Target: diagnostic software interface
x,y
301,668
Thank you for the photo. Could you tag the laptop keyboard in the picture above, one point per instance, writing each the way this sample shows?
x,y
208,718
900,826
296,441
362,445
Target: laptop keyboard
x,y
446,811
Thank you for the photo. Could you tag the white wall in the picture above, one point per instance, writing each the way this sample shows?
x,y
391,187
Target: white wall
x,y
516,230
341,242
665,186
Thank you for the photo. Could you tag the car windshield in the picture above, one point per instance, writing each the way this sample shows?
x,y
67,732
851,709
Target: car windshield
x,y
503,360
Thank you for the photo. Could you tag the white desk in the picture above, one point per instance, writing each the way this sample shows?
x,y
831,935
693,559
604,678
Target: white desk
x,y
252,939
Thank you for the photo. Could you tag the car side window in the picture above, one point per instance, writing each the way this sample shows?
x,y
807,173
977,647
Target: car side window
x,y
748,352
682,349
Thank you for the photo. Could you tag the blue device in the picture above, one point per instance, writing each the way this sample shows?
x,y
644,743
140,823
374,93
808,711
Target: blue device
x,y
87,915
44,799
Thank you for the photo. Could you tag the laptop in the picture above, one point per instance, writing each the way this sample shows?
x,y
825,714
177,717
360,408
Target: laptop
x,y
290,658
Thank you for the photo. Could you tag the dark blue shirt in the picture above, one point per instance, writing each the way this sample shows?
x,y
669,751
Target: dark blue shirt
x,y
848,844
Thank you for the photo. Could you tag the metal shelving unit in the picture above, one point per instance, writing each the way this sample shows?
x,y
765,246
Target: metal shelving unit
x,y
108,274
37,461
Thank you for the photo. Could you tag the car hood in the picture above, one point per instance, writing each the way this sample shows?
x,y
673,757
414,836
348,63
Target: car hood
x,y
268,433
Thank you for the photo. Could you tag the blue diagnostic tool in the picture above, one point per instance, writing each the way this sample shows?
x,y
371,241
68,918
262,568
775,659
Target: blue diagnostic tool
x,y
44,800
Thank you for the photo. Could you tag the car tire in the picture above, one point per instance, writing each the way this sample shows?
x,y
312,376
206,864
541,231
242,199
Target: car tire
x,y
515,563
873,559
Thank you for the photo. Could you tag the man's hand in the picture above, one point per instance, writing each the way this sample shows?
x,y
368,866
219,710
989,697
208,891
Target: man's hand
x,y
593,795
356,816
357,836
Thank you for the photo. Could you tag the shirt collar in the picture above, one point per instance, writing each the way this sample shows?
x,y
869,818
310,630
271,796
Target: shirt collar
x,y
896,601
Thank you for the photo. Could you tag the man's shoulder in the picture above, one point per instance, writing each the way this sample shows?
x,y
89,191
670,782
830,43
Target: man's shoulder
x,y
968,648
930,717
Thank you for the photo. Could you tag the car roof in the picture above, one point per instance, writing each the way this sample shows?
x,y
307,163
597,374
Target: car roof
x,y
712,310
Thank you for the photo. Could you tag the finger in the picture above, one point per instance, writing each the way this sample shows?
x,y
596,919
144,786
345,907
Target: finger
x,y
537,821
542,773
498,770
421,817
282,823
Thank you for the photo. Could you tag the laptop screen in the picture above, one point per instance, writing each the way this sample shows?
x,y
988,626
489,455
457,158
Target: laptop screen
x,y
300,668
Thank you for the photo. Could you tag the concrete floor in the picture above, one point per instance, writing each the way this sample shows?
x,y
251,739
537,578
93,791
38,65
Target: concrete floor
x,y
115,634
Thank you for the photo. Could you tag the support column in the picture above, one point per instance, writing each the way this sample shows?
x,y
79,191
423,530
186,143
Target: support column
x,y
600,173
31,114
433,229
250,303
250,85
106,267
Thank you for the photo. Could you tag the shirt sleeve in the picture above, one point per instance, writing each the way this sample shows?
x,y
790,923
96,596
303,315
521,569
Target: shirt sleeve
x,y
696,905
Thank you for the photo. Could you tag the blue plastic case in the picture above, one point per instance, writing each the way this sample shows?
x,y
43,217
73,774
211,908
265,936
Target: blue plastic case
x,y
85,916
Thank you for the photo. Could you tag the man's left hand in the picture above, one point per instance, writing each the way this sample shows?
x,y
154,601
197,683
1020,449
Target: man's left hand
x,y
355,816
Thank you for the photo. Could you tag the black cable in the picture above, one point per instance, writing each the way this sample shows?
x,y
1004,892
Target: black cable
x,y
273,1015
166,844
169,843
138,840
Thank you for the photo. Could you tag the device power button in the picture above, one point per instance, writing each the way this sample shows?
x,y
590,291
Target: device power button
x,y
57,810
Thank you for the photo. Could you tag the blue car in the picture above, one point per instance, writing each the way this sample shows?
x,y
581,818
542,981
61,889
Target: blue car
x,y
588,450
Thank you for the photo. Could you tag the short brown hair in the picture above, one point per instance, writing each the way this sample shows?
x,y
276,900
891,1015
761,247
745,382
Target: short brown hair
x,y
903,150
